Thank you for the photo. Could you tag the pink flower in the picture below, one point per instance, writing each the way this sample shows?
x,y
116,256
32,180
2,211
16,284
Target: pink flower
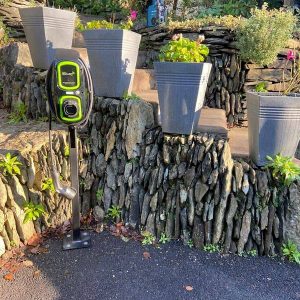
x,y
290,55
133,15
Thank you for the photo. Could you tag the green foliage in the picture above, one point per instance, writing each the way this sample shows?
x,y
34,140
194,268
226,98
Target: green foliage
x,y
4,39
229,22
99,7
231,7
190,243
103,24
131,96
18,114
114,212
264,34
48,185
99,195
283,169
183,50
164,239
67,151
252,253
10,165
148,238
211,248
261,87
290,251
33,211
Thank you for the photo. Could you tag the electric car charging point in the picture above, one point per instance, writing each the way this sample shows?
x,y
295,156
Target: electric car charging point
x,y
70,97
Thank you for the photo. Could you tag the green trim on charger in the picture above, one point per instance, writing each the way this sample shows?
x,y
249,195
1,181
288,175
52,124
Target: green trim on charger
x,y
61,113
59,76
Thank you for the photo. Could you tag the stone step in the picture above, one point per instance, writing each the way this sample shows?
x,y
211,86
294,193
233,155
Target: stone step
x,y
212,120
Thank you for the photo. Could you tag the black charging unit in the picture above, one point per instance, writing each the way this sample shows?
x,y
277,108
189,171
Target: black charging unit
x,y
70,98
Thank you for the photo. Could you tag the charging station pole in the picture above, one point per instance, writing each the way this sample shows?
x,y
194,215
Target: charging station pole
x,y
77,238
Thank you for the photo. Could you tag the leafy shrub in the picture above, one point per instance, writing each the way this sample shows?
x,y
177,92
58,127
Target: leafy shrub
x,y
183,50
18,114
264,34
211,248
229,22
148,238
164,239
261,87
48,185
33,211
283,169
231,7
103,24
10,165
290,251
114,212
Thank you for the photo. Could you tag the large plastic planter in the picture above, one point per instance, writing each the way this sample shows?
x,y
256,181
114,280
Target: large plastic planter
x,y
47,29
274,125
112,56
181,91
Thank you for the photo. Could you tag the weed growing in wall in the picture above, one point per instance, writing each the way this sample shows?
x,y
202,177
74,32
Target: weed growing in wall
x,y
10,165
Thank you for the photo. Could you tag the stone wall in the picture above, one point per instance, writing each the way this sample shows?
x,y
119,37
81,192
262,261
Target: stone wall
x,y
188,187
230,77
16,190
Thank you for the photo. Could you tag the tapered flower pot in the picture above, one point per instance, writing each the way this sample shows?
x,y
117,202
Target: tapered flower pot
x,y
181,91
47,29
274,125
112,56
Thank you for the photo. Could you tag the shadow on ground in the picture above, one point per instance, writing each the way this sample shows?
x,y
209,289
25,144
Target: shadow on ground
x,y
113,269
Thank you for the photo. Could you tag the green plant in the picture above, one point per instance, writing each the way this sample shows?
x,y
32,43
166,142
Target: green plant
x,y
99,194
252,253
290,251
231,7
48,185
283,169
264,34
261,87
131,96
33,211
4,38
114,212
211,248
184,50
148,238
10,165
67,151
164,239
18,114
190,243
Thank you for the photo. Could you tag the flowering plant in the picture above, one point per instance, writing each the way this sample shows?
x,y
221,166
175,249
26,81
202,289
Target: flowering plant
x,y
181,49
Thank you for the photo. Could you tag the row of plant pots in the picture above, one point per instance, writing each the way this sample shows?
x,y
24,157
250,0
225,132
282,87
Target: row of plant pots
x,y
182,76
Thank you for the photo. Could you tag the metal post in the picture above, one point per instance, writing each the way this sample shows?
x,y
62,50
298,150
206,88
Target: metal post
x,y
77,239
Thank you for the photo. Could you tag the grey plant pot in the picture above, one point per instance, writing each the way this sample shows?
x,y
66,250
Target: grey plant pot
x,y
47,29
181,91
274,125
112,56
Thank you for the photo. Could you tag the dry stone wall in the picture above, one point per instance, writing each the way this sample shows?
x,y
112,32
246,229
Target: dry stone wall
x,y
17,190
186,187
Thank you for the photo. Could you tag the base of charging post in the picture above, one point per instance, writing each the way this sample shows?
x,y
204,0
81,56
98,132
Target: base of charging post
x,y
76,238
83,240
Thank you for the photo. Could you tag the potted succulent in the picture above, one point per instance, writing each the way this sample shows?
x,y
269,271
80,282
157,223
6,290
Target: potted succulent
x,y
112,50
182,77
273,117
47,29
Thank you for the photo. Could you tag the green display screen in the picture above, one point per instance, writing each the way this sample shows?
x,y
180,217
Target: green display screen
x,y
68,75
